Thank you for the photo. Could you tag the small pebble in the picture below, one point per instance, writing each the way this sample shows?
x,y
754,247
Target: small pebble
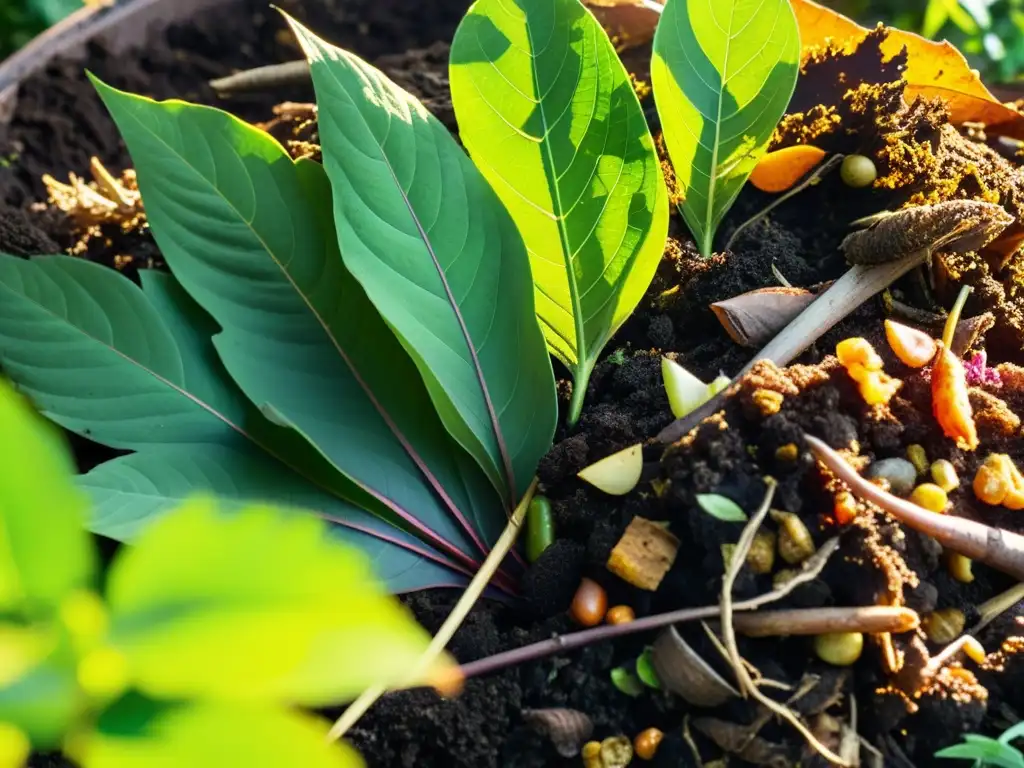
x,y
900,473
944,475
918,457
929,496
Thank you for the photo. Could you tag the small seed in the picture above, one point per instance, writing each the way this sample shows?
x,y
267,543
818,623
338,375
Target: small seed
x,y
840,649
761,556
795,541
619,614
961,568
844,509
858,171
646,743
787,452
929,496
591,754
589,604
918,458
944,475
616,752
943,626
900,473
540,527
913,347
974,650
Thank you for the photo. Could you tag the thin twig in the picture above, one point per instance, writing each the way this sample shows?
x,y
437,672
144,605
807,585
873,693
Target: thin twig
x,y
746,684
462,608
810,180
263,78
995,547
562,643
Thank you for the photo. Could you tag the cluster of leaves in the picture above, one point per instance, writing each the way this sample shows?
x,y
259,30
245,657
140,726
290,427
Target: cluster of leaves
x,y
206,633
986,751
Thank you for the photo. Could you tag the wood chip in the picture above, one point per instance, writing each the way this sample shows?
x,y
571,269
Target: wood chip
x,y
644,554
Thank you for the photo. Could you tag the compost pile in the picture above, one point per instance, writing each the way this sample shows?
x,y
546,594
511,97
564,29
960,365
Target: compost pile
x,y
759,432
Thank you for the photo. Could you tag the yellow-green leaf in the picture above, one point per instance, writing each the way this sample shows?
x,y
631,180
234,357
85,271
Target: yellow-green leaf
x,y
723,72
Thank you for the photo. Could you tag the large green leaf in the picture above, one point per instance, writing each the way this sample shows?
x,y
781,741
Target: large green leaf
x,y
249,235
44,553
259,604
723,73
44,701
112,369
140,733
549,115
440,258
130,492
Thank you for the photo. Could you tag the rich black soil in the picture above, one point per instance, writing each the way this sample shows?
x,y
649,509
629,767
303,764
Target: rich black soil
x,y
60,124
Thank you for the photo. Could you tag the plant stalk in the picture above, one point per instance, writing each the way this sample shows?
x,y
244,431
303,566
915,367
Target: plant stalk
x,y
444,635
580,383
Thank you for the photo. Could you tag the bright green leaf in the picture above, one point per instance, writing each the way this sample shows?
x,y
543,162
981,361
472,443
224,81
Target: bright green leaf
x,y
137,733
548,113
257,605
248,233
626,682
721,507
440,258
44,553
645,670
43,702
723,72
130,492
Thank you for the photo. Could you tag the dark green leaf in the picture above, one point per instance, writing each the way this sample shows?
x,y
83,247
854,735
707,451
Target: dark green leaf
x,y
722,508
264,605
113,370
549,115
143,734
441,260
44,553
723,72
248,234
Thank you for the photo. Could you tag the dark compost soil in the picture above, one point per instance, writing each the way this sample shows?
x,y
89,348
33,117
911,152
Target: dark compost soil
x,y
59,124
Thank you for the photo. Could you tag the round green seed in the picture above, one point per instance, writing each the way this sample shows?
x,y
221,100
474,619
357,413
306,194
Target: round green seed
x,y
858,171
540,527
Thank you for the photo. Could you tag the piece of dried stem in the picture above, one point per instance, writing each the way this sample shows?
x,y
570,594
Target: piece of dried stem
x,y
995,547
859,284
994,607
462,608
812,178
746,684
263,78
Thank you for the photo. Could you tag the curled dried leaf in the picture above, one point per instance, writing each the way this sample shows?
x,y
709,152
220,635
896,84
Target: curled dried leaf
x,y
754,318
568,729
950,402
778,171
957,226
682,671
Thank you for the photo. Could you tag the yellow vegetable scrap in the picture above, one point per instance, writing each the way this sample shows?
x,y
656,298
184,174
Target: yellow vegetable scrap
x,y
644,554
950,402
864,366
998,481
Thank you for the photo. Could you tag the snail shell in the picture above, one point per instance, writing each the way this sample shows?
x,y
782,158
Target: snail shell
x,y
685,673
568,729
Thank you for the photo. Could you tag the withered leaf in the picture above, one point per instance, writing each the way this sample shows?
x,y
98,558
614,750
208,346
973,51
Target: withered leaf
x,y
754,318
933,68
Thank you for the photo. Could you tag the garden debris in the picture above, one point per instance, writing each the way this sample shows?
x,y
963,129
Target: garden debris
x,y
999,482
682,671
617,474
951,403
743,742
104,200
864,366
568,729
778,171
644,554
754,318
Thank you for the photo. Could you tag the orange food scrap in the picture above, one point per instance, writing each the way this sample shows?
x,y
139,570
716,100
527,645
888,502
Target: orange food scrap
x,y
950,403
778,171
644,554
913,347
864,366
844,509
998,481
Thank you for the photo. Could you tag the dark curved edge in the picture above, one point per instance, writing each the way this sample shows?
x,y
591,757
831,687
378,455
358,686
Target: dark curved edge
x,y
122,25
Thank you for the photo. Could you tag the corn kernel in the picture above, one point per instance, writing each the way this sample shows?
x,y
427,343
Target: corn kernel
x,y
930,496
944,475
974,650
858,350
844,509
990,485
918,458
787,452
960,568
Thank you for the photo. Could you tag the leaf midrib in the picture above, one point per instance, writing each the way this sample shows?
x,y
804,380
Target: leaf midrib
x,y
710,213
410,451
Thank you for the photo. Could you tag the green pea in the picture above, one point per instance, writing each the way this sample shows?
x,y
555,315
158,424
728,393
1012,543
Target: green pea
x,y
540,527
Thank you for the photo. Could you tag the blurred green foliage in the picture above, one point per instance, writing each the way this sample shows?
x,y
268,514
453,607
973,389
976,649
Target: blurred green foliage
x,y
20,20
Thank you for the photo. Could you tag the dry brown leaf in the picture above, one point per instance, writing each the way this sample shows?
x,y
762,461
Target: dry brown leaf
x,y
754,318
933,69
778,171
